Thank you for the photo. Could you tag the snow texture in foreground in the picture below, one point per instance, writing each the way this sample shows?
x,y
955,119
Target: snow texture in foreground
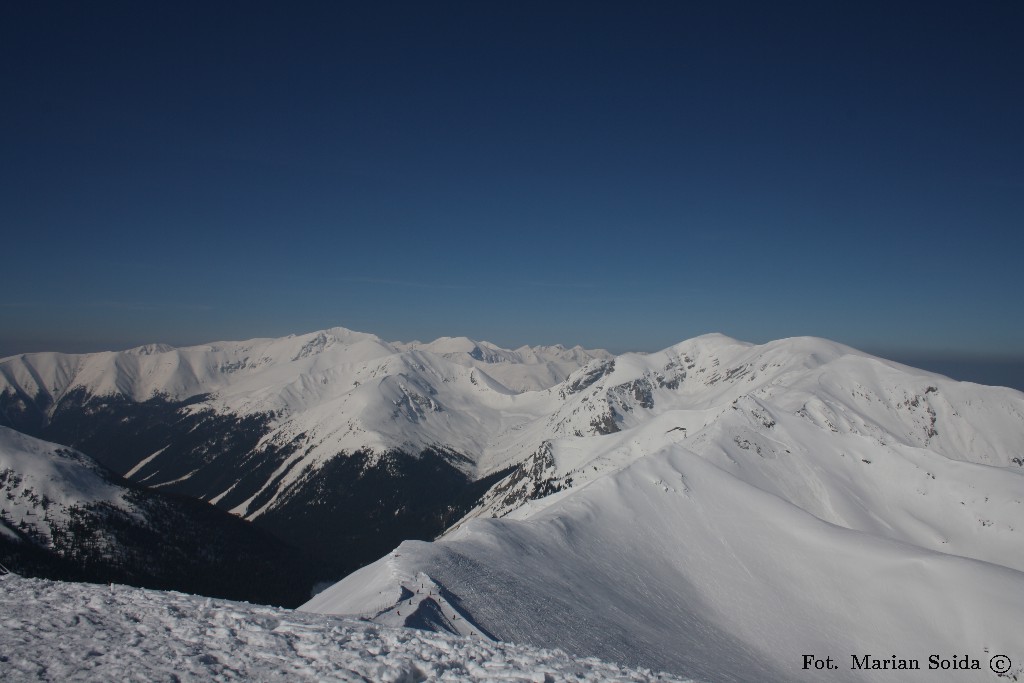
x,y
53,631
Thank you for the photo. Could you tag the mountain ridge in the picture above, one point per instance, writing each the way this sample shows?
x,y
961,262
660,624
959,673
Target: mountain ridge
x,y
356,445
718,508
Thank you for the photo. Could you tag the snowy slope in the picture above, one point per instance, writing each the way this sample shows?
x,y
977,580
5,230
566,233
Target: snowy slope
x,y
267,366
719,509
331,392
710,578
713,509
336,440
158,369
67,631
62,515
42,483
528,368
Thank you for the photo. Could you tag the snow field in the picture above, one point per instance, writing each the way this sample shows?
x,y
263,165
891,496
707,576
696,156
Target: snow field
x,y
674,563
53,631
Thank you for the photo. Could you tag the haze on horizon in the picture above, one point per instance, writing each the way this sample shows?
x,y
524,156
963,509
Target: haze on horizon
x,y
616,176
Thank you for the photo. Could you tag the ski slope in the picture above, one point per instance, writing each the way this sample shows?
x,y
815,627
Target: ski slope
x,y
52,631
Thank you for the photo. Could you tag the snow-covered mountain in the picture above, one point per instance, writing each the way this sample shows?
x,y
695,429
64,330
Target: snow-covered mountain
x,y
44,483
330,432
68,631
528,368
717,509
63,515
340,390
720,509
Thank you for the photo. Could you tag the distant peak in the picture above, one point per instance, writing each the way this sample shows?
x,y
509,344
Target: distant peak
x,y
718,338
345,333
453,343
150,349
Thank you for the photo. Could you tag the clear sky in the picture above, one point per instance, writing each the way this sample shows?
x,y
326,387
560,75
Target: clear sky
x,y
624,175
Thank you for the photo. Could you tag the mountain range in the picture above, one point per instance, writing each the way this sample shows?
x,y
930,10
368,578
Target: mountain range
x,y
721,509
717,509
337,441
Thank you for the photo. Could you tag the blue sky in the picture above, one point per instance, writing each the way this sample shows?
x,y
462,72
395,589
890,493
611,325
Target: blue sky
x,y
623,175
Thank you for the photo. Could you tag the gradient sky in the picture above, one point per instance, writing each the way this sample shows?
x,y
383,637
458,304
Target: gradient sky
x,y
623,175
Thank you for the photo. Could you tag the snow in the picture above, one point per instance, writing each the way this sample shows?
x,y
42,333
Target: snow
x,y
340,391
528,368
677,565
757,503
716,509
40,481
63,475
239,368
142,463
52,631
